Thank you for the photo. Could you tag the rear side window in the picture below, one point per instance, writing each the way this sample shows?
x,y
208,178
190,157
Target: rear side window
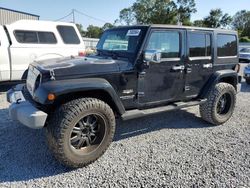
x,y
226,45
35,37
68,34
199,45
26,37
167,42
46,38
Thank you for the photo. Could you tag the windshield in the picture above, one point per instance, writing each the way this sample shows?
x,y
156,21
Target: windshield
x,y
245,50
121,39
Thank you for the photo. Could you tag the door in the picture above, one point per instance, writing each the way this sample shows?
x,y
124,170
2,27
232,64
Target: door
x,y
163,81
199,65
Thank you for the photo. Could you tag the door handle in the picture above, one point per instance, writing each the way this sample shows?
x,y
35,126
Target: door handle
x,y
178,68
206,66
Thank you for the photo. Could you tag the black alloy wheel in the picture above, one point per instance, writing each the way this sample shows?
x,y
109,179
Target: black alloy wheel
x,y
88,133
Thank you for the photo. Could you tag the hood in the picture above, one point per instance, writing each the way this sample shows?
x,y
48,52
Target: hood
x,y
82,66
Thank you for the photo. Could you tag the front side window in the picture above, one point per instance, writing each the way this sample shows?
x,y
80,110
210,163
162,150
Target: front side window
x,y
68,34
199,45
226,45
166,42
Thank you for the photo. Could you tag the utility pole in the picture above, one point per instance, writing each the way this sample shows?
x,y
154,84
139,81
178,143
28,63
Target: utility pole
x,y
73,13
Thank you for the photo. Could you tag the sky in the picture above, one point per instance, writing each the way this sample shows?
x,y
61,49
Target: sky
x,y
106,10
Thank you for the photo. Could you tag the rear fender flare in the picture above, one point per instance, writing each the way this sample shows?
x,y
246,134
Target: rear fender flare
x,y
216,78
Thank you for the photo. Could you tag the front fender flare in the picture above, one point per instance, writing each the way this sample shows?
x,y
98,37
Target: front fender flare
x,y
62,87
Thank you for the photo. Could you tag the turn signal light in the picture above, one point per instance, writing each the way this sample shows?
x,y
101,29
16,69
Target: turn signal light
x,y
51,97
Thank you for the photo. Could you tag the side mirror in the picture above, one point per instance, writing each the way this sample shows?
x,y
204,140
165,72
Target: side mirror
x,y
152,56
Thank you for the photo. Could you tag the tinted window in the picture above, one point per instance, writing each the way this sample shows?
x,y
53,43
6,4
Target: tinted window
x,y
226,45
199,45
245,50
168,43
68,34
46,38
26,36
35,37
116,40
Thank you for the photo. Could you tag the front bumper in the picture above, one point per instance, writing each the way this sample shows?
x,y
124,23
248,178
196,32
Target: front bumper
x,y
23,111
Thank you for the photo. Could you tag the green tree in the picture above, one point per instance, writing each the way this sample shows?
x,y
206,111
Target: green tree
x,y
107,26
246,30
241,19
185,8
198,23
94,31
217,19
155,11
127,16
158,12
79,27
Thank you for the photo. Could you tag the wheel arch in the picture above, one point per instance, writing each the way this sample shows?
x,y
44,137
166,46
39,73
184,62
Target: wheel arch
x,y
227,76
94,93
77,88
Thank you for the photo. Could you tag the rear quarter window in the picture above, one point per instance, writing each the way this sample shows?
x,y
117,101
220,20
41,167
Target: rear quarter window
x,y
68,34
226,45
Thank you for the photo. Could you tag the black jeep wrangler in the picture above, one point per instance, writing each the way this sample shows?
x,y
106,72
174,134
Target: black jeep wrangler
x,y
137,71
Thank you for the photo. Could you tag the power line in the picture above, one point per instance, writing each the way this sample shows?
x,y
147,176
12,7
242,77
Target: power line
x,y
65,16
97,19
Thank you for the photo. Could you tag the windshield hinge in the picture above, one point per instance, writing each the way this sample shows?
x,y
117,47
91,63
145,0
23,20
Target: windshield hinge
x,y
52,75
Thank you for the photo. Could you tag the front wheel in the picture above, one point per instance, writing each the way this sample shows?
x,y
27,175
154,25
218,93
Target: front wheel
x,y
220,104
80,131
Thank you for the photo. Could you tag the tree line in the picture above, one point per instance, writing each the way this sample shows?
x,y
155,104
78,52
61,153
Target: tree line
x,y
174,12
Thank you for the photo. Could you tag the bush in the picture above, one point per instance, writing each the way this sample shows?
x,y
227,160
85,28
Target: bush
x,y
244,39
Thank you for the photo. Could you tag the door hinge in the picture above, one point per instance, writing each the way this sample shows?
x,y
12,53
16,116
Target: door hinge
x,y
188,70
142,75
140,94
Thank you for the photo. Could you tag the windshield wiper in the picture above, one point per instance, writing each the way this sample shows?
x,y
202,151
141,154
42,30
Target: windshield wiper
x,y
113,54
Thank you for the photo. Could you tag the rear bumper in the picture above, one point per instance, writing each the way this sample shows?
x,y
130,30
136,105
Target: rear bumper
x,y
23,111
246,73
244,59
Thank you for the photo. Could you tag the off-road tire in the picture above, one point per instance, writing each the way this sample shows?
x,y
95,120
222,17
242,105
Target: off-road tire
x,y
248,81
208,110
64,120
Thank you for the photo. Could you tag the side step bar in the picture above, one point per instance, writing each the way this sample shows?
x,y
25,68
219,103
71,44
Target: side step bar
x,y
131,114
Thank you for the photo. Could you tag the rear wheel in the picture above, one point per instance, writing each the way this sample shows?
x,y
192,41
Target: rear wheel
x,y
220,104
80,131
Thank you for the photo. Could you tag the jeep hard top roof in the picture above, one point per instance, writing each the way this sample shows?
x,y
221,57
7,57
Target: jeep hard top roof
x,y
179,27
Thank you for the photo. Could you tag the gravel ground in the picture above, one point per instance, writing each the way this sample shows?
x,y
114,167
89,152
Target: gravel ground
x,y
175,149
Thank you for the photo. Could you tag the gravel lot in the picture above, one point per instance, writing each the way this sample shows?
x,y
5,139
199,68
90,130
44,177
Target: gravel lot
x,y
170,149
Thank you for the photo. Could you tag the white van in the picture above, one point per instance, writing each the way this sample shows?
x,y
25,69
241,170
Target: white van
x,y
25,41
